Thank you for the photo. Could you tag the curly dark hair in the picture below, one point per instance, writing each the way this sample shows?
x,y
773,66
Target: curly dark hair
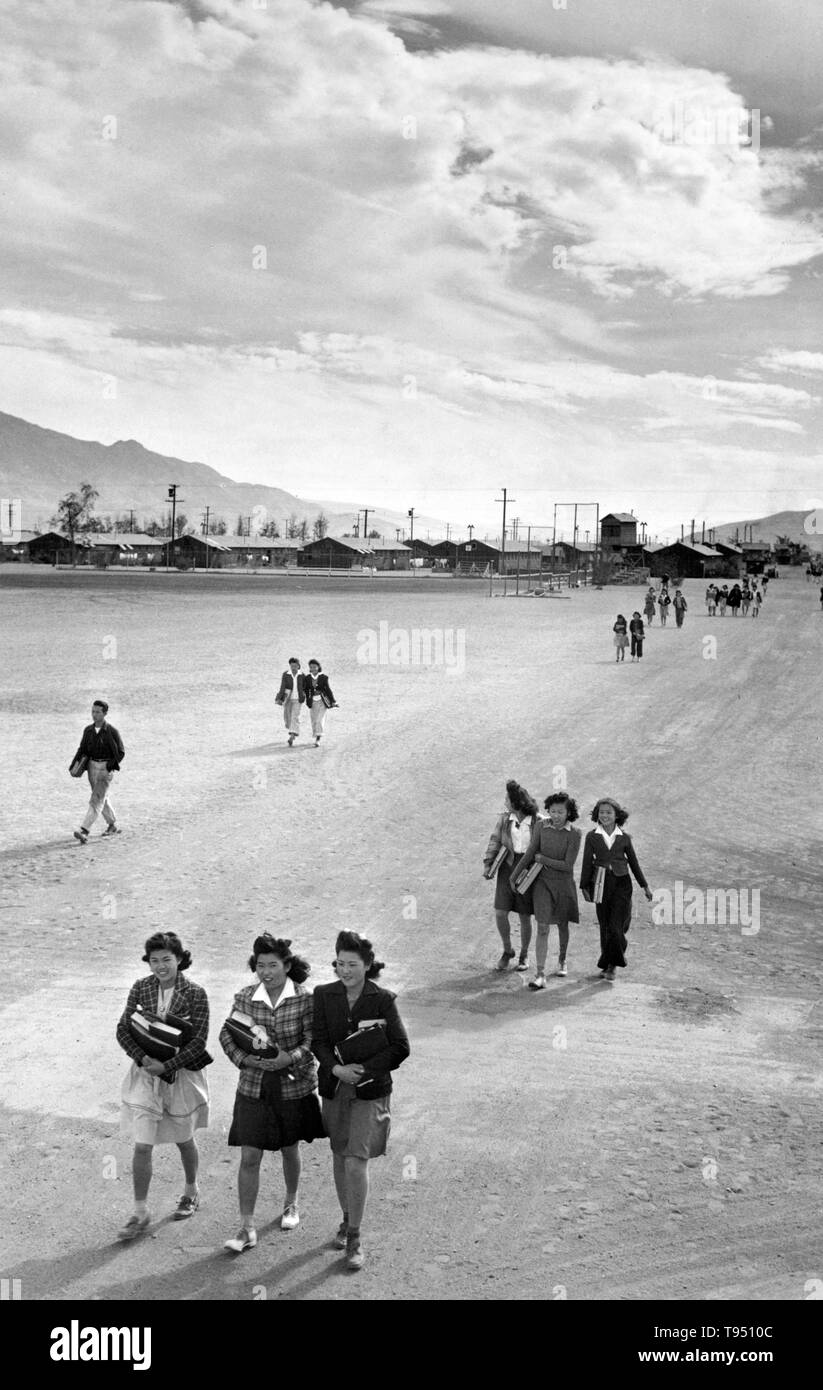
x,y
359,946
168,941
621,815
522,803
267,945
563,798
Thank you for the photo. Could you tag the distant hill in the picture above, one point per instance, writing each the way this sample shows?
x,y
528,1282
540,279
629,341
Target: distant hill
x,y
768,528
40,466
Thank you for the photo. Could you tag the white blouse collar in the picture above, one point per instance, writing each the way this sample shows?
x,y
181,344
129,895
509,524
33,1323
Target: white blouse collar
x,y
261,994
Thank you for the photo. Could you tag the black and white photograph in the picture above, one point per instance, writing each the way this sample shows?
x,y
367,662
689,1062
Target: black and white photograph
x,y
411,585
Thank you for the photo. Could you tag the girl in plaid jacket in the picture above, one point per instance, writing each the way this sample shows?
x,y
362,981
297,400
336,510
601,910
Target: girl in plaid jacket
x,y
165,1102
276,1103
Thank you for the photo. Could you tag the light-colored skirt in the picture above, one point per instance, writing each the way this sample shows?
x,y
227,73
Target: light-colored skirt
x,y
162,1112
357,1128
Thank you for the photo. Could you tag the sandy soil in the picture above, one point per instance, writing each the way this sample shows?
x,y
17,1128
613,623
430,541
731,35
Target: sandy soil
x,y
658,1138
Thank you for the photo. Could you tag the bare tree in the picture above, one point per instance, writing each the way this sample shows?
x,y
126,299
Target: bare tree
x,y
320,527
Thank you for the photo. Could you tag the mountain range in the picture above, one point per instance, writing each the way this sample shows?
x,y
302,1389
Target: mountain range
x,y
768,528
40,465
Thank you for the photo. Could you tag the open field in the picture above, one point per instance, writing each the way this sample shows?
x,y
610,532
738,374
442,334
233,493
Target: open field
x,y
658,1138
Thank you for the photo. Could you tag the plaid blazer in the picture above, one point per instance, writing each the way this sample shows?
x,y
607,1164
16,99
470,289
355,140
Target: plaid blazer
x,y
189,1001
290,1026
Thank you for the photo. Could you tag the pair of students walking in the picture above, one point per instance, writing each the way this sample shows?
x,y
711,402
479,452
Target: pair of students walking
x,y
298,688
522,839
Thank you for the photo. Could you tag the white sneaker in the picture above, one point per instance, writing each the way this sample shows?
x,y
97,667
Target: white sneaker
x,y
561,968
244,1240
290,1218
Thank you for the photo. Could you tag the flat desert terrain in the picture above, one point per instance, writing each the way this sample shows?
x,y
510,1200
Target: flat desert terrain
x,y
658,1138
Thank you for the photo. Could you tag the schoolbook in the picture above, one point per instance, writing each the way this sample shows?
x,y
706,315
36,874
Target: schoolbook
x,y
599,883
362,1044
250,1036
525,880
496,862
159,1038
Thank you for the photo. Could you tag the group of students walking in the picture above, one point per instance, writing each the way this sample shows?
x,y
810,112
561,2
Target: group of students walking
x,y
663,601
344,1039
531,856
736,599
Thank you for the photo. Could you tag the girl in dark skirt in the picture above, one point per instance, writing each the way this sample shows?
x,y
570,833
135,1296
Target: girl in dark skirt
x,y
512,832
555,845
276,1102
609,848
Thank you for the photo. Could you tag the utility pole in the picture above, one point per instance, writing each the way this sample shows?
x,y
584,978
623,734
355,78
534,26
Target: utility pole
x,y
206,515
131,519
411,525
502,561
366,511
470,529
173,499
448,531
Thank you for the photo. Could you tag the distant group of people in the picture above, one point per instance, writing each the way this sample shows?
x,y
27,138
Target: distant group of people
x,y
531,856
351,1028
663,601
737,599
313,690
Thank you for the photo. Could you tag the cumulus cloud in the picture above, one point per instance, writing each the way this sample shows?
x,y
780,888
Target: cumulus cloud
x,y
288,209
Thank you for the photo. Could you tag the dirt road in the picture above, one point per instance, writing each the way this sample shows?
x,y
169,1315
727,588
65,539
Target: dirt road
x,y
655,1138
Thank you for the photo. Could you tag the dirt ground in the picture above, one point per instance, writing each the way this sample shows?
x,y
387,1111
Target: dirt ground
x,y
659,1138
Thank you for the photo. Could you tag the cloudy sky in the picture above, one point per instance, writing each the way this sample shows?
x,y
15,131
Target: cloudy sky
x,y
404,252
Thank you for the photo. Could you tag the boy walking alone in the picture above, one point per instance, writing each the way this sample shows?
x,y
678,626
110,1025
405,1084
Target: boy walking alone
x,y
102,748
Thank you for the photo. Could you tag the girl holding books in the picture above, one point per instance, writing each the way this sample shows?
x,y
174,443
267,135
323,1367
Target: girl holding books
x,y
509,841
164,1102
663,603
554,845
359,1040
276,1101
621,637
648,607
608,856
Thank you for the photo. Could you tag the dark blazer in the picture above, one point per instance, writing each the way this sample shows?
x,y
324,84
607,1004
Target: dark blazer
x,y
617,860
107,744
189,1001
287,685
333,1023
323,691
